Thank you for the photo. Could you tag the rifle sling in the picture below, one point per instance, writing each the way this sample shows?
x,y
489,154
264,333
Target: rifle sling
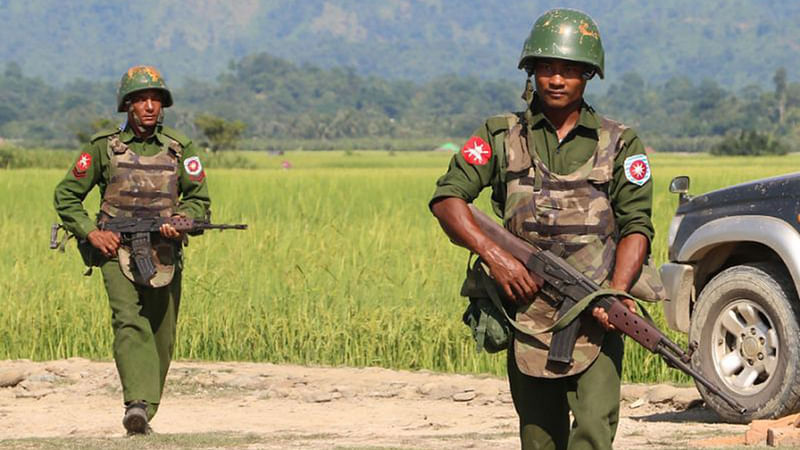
x,y
562,321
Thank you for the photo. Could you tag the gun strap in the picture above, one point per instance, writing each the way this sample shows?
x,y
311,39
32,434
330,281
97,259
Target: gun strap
x,y
562,321
57,244
62,244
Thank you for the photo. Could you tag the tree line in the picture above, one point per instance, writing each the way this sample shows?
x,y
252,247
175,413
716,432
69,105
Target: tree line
x,y
263,98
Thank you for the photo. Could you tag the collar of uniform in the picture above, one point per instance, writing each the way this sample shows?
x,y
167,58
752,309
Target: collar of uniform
x,y
587,119
127,135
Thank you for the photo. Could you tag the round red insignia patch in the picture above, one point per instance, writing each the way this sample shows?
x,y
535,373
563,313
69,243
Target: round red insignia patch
x,y
476,151
193,166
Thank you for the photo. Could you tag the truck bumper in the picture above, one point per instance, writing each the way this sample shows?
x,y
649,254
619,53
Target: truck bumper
x,y
678,280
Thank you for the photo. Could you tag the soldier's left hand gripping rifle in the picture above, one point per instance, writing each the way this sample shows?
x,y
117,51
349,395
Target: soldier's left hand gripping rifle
x,y
135,232
566,284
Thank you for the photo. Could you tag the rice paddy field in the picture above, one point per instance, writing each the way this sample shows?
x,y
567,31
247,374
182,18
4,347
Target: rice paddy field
x,y
342,265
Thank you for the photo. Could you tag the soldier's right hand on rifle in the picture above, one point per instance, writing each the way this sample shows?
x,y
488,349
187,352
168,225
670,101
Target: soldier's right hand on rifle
x,y
169,232
517,282
105,241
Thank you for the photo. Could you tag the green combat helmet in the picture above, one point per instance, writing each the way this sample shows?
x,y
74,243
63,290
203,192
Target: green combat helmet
x,y
140,78
564,34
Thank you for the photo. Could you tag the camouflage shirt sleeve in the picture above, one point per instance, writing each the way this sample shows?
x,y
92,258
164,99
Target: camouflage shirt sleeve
x,y
632,203
193,186
466,180
72,190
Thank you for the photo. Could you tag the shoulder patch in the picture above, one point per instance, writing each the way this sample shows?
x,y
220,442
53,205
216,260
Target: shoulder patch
x,y
476,151
83,164
637,169
176,135
104,134
194,168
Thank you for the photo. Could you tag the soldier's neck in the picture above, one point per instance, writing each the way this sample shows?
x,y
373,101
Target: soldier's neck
x,y
143,133
563,119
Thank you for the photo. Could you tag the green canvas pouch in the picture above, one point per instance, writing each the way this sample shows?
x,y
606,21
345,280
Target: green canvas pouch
x,y
488,325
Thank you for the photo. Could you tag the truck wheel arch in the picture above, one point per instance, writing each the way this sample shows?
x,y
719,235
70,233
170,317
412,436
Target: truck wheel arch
x,y
728,241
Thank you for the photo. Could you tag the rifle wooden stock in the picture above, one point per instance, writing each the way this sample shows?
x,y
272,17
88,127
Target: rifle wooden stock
x,y
567,284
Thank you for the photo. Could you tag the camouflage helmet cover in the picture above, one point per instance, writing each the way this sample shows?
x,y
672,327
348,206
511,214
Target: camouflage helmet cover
x,y
564,34
140,78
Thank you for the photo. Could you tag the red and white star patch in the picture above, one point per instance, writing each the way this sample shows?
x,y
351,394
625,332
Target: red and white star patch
x,y
194,168
82,165
637,169
476,151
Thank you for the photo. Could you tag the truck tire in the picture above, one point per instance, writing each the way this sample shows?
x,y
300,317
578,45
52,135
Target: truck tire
x,y
746,336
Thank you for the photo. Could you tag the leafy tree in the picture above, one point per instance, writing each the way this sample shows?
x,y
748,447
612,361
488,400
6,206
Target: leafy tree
x,y
221,133
780,93
749,143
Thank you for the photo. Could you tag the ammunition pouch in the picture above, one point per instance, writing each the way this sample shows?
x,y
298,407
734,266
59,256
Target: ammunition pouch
x,y
488,325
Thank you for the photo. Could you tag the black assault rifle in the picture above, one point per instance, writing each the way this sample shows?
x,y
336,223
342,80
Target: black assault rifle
x,y
566,284
135,231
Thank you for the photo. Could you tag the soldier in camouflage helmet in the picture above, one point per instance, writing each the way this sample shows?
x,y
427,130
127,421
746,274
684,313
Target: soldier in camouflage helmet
x,y
143,169
569,180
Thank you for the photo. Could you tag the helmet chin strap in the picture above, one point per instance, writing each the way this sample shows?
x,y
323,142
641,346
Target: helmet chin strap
x,y
527,94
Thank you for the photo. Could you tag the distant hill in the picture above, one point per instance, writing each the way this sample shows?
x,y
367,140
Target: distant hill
x,y
280,100
733,42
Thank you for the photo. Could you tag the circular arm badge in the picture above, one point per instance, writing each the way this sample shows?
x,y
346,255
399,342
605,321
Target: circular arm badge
x,y
476,151
637,169
194,168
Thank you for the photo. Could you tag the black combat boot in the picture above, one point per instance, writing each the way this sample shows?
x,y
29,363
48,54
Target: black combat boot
x,y
135,419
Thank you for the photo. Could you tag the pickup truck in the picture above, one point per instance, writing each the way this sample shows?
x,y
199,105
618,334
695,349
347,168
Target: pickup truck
x,y
732,282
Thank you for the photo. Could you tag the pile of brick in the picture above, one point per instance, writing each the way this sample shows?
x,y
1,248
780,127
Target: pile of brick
x,y
783,432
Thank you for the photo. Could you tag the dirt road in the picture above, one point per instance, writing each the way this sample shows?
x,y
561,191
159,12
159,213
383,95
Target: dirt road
x,y
77,403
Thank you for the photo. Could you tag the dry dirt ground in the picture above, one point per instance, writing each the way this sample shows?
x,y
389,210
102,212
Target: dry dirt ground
x,y
76,403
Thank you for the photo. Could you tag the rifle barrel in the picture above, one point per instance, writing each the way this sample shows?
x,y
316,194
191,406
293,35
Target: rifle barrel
x,y
209,226
677,362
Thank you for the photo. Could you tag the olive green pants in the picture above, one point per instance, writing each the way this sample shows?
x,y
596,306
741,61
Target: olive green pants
x,y
144,322
544,404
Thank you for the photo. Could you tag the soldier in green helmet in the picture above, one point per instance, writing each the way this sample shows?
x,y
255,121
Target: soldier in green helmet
x,y
143,169
571,181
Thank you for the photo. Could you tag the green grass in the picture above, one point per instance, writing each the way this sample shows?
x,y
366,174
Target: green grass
x,y
342,265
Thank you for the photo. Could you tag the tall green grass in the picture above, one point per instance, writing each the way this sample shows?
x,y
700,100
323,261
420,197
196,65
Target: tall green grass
x,y
342,265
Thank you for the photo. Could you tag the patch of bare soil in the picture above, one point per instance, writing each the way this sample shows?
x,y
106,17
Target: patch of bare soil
x,y
283,406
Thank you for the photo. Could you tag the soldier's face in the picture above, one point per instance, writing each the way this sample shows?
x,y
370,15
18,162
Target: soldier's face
x,y
147,106
560,84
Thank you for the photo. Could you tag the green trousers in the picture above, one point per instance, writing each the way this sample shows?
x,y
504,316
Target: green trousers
x,y
544,404
144,321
